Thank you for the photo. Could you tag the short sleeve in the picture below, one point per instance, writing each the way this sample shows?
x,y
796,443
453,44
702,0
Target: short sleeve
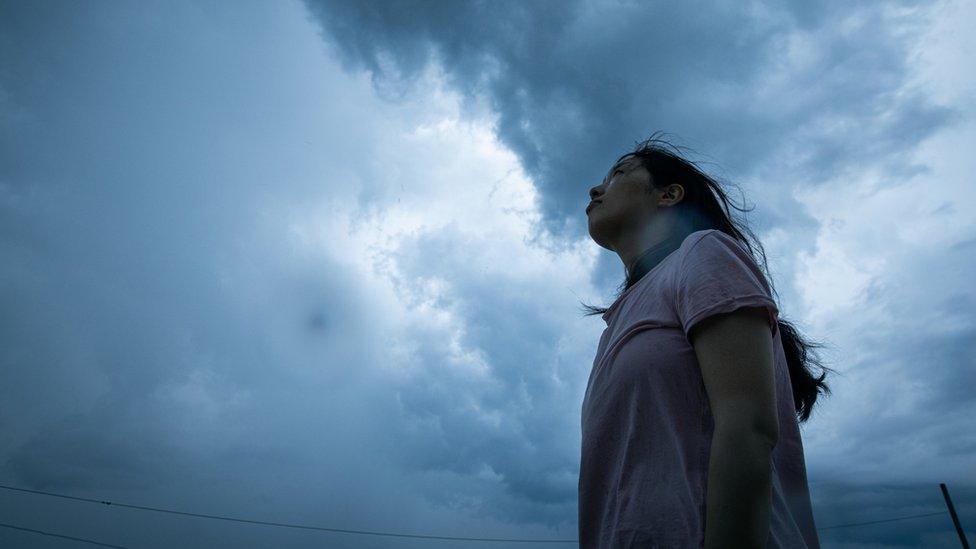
x,y
718,275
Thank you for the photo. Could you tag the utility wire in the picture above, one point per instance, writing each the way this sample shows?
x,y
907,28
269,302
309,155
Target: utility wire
x,y
885,520
72,538
281,524
366,532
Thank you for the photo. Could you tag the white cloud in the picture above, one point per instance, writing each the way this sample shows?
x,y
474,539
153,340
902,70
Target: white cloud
x,y
889,284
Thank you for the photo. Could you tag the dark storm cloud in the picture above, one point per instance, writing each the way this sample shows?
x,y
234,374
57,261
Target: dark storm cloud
x,y
160,332
164,339
784,94
517,420
574,84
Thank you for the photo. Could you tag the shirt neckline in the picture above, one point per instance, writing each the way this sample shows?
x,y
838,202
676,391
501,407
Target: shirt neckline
x,y
648,261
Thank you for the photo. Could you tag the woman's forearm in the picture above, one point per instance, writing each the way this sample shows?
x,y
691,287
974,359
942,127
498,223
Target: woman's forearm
x,y
739,492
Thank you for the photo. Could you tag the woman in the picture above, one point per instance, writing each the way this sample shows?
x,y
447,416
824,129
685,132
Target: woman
x,y
689,421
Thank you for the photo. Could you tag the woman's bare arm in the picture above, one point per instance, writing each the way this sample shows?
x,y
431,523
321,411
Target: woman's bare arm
x,y
735,353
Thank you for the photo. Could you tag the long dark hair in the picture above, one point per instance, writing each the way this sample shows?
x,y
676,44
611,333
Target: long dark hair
x,y
706,206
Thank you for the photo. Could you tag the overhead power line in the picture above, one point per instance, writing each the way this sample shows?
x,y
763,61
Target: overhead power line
x,y
367,532
280,524
72,538
885,520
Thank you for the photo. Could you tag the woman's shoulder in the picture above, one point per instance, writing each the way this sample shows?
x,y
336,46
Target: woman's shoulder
x,y
712,246
694,238
709,237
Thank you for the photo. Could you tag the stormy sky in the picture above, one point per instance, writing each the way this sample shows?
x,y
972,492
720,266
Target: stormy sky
x,y
322,262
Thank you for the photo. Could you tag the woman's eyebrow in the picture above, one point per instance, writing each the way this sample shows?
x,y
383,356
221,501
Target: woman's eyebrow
x,y
626,163
618,166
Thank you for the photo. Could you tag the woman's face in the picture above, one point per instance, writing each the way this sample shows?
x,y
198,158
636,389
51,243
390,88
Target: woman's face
x,y
621,203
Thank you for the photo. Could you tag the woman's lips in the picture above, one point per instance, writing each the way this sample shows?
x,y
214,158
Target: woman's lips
x,y
592,205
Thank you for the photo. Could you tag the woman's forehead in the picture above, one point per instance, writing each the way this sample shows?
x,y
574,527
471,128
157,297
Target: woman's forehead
x,y
625,162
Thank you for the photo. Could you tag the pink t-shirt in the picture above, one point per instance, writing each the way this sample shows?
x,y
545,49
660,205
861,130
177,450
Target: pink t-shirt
x,y
646,421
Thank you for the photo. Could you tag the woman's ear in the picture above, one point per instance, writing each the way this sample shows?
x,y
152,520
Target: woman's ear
x,y
672,195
